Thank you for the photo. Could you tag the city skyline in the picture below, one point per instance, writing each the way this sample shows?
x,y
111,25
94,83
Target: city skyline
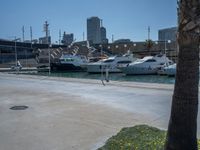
x,y
123,18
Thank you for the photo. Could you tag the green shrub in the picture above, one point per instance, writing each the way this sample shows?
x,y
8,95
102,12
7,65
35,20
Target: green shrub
x,y
140,137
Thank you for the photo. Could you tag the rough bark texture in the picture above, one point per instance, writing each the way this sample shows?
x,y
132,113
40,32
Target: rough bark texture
x,y
183,120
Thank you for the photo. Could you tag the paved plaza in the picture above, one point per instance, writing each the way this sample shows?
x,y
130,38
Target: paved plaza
x,y
73,114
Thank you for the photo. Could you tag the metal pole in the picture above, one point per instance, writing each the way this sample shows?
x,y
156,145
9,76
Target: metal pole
x,y
112,44
102,67
83,36
49,61
148,33
26,57
23,33
16,56
31,33
15,52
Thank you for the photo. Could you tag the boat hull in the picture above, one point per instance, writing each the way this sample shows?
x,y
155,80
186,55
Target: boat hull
x,y
100,68
65,67
139,71
170,71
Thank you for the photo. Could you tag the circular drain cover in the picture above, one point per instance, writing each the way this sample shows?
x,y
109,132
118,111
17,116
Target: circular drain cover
x,y
18,107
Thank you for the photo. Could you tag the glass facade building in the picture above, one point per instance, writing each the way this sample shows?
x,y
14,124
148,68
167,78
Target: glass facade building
x,y
93,30
167,34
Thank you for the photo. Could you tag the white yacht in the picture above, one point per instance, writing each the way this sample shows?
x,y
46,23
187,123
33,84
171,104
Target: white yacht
x,y
146,65
70,62
170,70
111,64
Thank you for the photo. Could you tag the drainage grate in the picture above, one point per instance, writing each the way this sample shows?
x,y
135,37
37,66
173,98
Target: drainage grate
x,y
19,107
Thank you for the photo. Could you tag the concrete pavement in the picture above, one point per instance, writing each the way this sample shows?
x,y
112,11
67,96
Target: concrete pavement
x,y
22,70
75,114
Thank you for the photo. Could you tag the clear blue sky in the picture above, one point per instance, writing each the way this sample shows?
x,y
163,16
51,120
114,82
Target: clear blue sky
x,y
122,18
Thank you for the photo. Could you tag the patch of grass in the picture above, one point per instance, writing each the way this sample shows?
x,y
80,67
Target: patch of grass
x,y
140,137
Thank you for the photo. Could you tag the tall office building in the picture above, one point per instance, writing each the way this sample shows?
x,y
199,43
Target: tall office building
x,y
103,35
167,34
93,30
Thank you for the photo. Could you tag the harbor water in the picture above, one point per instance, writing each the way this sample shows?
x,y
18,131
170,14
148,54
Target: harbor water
x,y
112,76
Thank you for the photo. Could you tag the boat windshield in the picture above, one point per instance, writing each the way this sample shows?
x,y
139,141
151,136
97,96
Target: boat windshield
x,y
159,55
124,62
66,59
139,60
108,60
150,60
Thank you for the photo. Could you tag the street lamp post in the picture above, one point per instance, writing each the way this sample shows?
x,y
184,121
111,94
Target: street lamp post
x,y
166,41
101,67
134,45
15,46
15,52
125,46
101,46
26,57
16,39
49,48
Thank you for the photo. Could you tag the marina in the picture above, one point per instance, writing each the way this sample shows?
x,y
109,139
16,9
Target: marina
x,y
99,75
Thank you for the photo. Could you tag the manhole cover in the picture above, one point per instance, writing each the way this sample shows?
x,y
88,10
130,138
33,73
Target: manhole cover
x,y
18,107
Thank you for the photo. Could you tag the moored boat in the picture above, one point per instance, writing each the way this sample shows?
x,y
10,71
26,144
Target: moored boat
x,y
69,62
111,64
146,65
170,70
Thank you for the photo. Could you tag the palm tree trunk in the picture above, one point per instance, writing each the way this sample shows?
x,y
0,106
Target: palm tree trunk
x,y
182,129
